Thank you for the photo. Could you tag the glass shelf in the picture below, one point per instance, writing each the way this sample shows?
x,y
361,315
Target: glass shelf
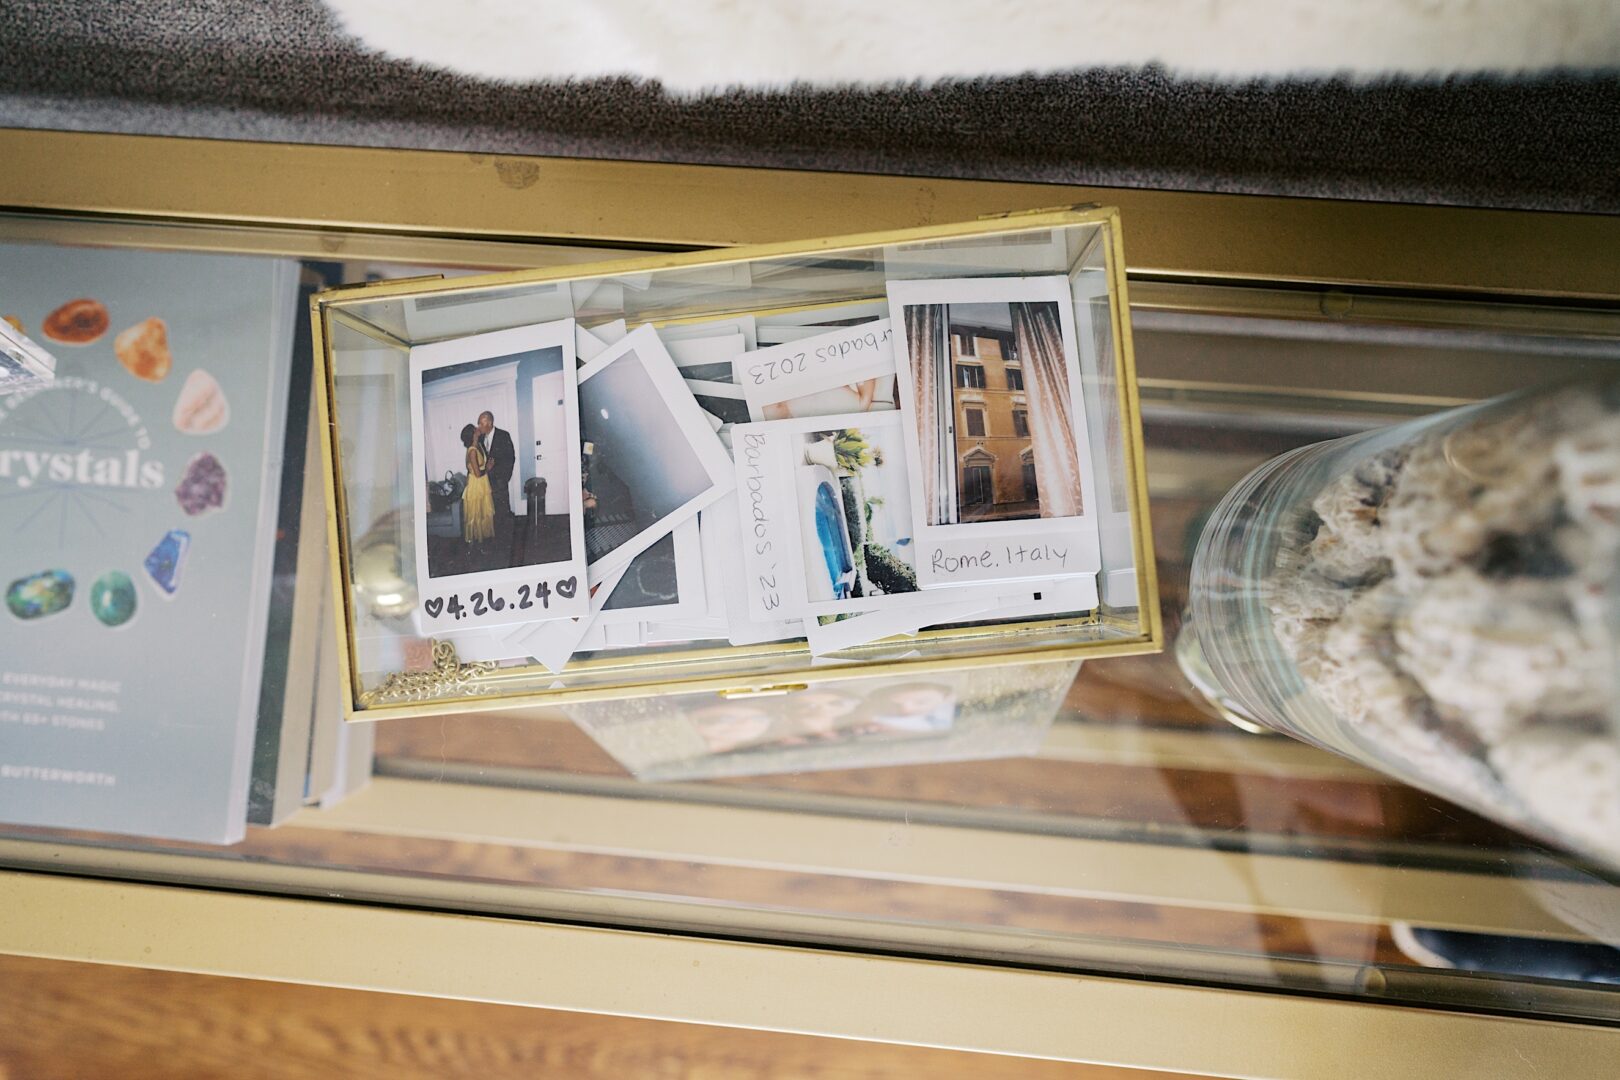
x,y
1146,837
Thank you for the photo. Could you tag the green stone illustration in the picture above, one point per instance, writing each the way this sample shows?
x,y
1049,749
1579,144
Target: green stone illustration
x,y
41,594
112,598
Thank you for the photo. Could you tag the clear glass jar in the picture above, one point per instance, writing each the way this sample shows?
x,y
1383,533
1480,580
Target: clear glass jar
x,y
1439,600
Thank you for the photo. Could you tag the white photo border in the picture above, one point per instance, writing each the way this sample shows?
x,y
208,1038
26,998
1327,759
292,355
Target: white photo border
x,y
1079,530
468,350
796,601
755,372
553,644
691,601
645,347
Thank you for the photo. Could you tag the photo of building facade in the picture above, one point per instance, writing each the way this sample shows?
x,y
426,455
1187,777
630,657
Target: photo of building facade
x,y
992,408
995,465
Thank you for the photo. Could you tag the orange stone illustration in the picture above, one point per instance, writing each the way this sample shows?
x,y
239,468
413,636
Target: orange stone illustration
x,y
144,350
77,322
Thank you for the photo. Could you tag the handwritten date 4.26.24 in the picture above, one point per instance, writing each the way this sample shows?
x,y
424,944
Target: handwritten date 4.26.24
x,y
484,601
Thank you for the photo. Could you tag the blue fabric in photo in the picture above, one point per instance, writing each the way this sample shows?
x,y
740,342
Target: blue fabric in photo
x,y
829,514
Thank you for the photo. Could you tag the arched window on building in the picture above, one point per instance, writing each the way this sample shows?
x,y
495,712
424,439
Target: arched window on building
x,y
977,486
1032,490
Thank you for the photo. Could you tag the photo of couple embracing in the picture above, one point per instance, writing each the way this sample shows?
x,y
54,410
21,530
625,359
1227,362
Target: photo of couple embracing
x,y
485,500
496,463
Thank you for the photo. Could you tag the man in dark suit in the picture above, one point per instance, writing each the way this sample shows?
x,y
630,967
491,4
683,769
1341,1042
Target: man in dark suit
x,y
497,447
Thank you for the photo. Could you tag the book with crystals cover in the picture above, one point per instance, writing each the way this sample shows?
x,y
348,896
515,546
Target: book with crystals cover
x,y
138,497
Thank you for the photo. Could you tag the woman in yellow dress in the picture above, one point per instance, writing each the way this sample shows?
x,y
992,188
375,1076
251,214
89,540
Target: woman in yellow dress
x,y
477,504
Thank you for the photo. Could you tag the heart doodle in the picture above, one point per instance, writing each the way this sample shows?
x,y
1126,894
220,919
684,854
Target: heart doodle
x,y
567,587
434,606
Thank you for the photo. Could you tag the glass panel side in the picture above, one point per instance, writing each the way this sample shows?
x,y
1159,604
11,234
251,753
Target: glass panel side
x,y
787,296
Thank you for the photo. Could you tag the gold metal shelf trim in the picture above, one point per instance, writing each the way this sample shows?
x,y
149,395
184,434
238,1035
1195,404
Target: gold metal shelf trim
x,y
1191,236
917,1002
953,856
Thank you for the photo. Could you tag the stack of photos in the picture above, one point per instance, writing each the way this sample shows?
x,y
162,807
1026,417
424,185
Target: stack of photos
x,y
839,475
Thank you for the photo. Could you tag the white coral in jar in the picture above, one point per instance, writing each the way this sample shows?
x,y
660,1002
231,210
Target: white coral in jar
x,y
1492,654
1589,478
1348,546
1568,778
1459,490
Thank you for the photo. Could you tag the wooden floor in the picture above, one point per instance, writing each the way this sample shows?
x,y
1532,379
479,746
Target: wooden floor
x,y
62,1020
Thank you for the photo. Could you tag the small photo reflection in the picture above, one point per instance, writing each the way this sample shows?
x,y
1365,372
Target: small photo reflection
x,y
836,724
823,717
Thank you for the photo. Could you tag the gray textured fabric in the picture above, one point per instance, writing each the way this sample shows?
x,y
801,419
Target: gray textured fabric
x,y
284,71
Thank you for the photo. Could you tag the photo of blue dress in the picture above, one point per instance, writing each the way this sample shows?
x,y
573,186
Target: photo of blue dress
x,y
830,531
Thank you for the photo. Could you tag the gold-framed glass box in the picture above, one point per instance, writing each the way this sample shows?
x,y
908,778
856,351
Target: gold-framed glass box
x,y
363,335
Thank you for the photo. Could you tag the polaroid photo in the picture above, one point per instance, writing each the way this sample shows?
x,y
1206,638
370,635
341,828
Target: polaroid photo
x,y
589,343
705,350
700,628
996,434
704,360
649,458
724,404
553,644
692,349
826,512
682,633
622,636
717,561
594,639
845,370
665,582
829,634
712,624
832,633
610,333
711,328
495,449
1065,596
723,553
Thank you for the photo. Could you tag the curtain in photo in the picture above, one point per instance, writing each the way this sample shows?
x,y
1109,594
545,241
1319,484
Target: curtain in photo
x,y
930,375
1051,426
